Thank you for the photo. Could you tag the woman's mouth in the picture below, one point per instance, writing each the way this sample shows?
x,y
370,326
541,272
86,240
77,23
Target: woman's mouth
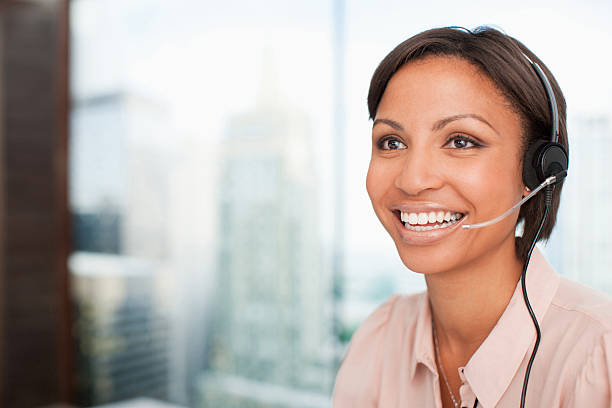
x,y
426,227
427,221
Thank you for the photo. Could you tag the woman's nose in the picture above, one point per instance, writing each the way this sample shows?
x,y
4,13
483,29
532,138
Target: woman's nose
x,y
418,173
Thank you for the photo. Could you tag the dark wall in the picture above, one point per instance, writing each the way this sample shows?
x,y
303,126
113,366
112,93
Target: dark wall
x,y
35,354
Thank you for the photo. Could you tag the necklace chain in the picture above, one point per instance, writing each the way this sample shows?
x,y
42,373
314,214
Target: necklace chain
x,y
455,403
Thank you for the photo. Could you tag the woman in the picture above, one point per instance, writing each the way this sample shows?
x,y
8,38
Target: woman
x,y
455,114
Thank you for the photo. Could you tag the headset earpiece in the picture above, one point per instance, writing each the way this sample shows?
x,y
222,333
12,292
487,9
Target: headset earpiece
x,y
542,160
545,158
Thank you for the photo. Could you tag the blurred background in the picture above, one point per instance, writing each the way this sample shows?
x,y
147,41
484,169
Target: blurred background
x,y
183,214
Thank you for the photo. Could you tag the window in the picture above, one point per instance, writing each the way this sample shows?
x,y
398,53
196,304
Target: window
x,y
206,142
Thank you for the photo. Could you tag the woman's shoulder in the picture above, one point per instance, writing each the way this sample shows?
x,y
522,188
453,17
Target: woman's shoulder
x,y
397,305
580,302
398,309
359,373
585,343
578,329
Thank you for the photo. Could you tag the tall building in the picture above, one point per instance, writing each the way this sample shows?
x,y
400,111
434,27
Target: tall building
x,y
120,155
119,204
138,187
271,343
580,245
122,328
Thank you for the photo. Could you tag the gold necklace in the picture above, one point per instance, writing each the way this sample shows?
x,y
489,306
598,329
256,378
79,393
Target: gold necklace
x,y
442,366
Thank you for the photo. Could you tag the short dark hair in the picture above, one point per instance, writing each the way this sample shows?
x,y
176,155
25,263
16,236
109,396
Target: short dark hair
x,y
502,59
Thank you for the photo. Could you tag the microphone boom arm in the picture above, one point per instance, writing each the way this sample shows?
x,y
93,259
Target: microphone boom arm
x,y
547,182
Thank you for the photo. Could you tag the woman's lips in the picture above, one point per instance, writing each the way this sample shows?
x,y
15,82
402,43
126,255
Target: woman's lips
x,y
429,218
428,233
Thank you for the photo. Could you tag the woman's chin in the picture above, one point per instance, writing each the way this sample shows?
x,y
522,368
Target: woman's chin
x,y
426,267
431,259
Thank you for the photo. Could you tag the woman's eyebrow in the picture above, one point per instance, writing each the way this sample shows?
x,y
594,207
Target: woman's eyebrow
x,y
443,122
395,125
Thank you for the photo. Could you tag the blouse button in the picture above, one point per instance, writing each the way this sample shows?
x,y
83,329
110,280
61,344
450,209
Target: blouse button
x,y
462,374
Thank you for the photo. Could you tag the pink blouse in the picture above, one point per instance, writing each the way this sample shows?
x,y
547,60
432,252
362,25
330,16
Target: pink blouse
x,y
390,361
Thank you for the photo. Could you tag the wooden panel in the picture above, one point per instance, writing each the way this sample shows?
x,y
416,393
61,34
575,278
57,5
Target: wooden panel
x,y
35,344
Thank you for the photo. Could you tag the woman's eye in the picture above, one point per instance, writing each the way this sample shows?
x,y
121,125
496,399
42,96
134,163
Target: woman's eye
x,y
391,144
462,142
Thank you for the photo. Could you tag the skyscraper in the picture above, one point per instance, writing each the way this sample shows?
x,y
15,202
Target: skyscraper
x,y
121,299
580,245
272,328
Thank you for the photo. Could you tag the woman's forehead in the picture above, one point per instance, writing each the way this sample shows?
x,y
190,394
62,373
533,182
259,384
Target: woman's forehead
x,y
436,87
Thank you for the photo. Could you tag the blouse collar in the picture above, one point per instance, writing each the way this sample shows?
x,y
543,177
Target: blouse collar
x,y
492,367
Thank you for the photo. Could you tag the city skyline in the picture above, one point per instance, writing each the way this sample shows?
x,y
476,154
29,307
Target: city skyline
x,y
209,151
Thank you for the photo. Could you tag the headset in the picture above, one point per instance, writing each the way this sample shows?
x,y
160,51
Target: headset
x,y
545,164
543,161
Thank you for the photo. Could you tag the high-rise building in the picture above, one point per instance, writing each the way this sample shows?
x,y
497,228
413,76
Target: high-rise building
x,y
272,333
579,247
119,206
121,326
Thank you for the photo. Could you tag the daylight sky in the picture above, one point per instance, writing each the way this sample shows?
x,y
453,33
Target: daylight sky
x,y
203,60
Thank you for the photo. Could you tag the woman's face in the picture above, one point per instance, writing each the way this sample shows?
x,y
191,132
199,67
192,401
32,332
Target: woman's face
x,y
446,151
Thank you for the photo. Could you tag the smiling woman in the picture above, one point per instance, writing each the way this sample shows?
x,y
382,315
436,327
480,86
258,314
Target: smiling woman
x,y
455,114
448,158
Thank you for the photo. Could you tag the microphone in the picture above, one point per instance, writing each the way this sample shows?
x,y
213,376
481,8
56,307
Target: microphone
x,y
549,181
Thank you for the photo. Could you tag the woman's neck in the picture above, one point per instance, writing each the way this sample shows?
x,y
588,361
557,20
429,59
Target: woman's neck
x,y
466,304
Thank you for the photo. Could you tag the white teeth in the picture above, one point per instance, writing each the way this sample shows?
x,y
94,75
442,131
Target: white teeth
x,y
431,217
417,221
413,218
428,227
423,218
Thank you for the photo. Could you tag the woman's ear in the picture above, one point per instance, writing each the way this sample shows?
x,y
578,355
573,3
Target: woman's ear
x,y
526,191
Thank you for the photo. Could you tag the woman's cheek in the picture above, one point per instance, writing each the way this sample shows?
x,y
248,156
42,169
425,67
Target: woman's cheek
x,y
472,182
489,184
378,175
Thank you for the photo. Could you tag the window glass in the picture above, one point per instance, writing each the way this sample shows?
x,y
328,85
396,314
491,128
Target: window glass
x,y
225,246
